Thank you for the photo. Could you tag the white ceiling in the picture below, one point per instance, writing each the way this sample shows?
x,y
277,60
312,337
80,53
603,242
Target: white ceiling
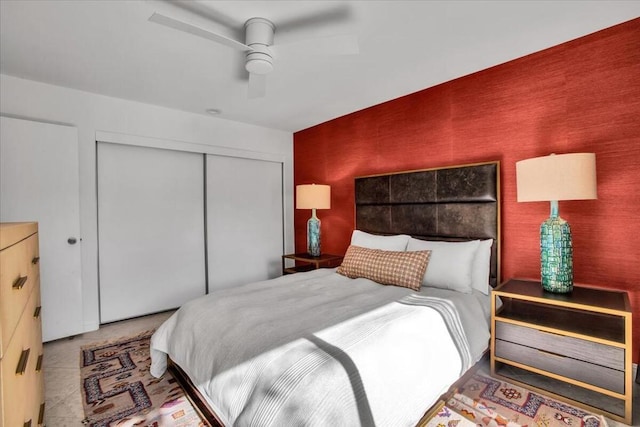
x,y
109,47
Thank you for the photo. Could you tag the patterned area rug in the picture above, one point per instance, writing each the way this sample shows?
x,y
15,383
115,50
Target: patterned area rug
x,y
490,402
118,389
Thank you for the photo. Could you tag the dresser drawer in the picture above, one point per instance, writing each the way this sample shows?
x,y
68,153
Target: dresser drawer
x,y
17,279
600,376
19,356
576,348
35,376
21,376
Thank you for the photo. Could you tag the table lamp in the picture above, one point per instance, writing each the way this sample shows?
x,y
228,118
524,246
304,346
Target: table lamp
x,y
313,196
553,178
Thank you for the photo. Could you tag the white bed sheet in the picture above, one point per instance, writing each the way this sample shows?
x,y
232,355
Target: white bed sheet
x,y
320,349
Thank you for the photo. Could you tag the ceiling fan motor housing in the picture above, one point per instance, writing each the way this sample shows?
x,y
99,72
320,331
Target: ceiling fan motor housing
x,y
259,36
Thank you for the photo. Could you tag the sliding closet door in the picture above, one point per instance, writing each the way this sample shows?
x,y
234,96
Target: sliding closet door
x,y
151,229
244,220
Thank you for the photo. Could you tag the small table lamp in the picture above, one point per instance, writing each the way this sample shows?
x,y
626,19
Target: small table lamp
x,y
553,178
313,196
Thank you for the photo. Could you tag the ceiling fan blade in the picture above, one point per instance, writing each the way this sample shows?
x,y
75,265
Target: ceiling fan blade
x,y
197,31
257,85
324,14
330,45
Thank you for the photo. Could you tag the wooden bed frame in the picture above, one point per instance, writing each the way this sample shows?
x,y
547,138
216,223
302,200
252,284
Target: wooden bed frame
x,y
453,203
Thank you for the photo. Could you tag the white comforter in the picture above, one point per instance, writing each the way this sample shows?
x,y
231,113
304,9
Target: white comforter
x,y
319,349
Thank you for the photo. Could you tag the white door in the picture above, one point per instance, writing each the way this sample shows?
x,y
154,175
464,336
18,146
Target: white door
x,y
244,220
150,229
39,182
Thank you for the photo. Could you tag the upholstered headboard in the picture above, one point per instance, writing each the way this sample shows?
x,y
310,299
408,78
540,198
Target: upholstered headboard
x,y
451,203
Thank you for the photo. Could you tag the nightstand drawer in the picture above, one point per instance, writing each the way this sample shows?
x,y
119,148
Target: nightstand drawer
x,y
576,348
600,376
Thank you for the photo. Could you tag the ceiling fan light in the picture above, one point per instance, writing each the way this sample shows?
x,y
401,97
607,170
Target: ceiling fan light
x,y
259,66
259,62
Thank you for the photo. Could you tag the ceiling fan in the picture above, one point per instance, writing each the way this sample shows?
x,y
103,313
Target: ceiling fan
x,y
260,49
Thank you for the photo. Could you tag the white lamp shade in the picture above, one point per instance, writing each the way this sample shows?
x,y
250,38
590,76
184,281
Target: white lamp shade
x,y
313,196
557,177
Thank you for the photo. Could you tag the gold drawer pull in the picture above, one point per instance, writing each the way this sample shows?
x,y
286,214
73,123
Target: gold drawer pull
x,y
27,423
41,415
22,362
39,364
19,283
35,260
36,312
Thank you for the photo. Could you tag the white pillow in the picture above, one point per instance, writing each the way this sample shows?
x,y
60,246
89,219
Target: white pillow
x,y
397,242
481,267
450,263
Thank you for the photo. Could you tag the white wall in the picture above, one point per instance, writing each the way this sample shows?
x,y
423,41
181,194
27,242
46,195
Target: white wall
x,y
91,113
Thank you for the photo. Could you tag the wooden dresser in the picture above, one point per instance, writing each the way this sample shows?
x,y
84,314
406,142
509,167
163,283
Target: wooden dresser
x,y
21,376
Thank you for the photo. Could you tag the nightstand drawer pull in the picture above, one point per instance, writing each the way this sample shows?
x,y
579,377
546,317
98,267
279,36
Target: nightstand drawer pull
x,y
553,334
36,312
552,354
35,260
22,362
27,423
19,283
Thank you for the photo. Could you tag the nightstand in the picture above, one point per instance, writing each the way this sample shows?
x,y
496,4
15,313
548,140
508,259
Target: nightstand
x,y
575,347
310,262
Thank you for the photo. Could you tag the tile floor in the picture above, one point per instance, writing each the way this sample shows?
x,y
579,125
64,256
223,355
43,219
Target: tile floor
x,y
61,363
62,370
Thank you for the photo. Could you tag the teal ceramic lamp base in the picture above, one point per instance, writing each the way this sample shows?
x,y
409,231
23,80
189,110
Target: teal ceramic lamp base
x,y
556,253
313,234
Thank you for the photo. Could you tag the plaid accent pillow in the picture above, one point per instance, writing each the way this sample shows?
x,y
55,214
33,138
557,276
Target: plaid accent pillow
x,y
404,269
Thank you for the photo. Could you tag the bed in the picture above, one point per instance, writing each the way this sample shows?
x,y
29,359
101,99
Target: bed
x,y
332,346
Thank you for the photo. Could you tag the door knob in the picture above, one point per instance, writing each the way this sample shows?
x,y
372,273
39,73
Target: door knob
x,y
71,240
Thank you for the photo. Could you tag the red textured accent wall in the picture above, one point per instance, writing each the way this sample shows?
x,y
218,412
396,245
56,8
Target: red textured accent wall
x,y
581,96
